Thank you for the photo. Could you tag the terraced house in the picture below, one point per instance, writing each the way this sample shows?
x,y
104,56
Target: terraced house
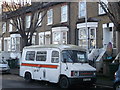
x,y
81,23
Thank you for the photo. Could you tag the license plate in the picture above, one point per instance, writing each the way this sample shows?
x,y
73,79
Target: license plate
x,y
86,79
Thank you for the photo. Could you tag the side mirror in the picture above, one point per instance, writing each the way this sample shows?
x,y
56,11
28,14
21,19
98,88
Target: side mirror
x,y
64,60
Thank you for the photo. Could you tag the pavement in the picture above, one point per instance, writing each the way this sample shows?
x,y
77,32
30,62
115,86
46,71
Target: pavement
x,y
101,79
104,80
14,71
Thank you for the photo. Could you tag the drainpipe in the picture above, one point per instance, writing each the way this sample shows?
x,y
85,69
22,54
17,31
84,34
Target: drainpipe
x,y
69,32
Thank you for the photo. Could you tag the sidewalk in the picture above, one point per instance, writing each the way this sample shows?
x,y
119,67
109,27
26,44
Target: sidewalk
x,y
14,71
104,80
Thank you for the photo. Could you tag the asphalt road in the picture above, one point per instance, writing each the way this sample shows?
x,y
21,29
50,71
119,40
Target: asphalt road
x,y
16,82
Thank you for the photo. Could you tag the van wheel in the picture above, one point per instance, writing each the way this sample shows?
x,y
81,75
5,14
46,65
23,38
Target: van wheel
x,y
64,82
28,77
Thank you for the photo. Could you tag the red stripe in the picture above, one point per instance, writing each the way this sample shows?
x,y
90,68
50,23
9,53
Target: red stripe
x,y
39,65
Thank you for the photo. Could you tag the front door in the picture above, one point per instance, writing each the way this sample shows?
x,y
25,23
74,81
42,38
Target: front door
x,y
107,37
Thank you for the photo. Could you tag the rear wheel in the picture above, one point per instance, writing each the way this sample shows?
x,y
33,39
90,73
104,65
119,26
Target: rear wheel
x,y
28,77
64,82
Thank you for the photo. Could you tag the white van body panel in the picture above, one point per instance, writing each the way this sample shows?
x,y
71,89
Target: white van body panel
x,y
67,68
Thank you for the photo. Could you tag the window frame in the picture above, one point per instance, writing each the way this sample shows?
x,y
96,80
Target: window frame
x,y
4,27
41,38
83,38
41,55
64,13
47,37
29,57
53,61
39,19
0,44
82,10
92,38
100,10
50,17
15,43
27,21
61,35
10,25
88,43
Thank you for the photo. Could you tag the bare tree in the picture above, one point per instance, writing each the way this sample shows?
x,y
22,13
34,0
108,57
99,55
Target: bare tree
x,y
17,13
113,12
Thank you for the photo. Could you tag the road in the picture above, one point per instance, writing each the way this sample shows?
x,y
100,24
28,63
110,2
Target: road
x,y
13,81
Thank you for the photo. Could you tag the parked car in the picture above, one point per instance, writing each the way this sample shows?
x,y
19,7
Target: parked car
x,y
4,67
117,79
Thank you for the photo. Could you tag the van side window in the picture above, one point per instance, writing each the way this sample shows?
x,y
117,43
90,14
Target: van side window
x,y
41,56
55,57
30,55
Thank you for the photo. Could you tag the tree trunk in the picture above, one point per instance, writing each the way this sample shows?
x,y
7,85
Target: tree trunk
x,y
24,41
118,41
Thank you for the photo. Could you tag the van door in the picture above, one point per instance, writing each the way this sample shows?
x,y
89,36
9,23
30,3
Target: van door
x,y
41,57
53,70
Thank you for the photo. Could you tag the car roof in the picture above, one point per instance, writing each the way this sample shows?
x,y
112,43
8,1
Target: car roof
x,y
61,47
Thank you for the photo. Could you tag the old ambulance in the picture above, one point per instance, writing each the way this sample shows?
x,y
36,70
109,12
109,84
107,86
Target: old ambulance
x,y
63,64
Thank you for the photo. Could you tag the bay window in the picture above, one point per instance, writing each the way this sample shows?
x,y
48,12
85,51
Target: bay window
x,y
82,37
56,38
15,42
87,35
7,44
33,40
47,37
59,35
92,38
41,38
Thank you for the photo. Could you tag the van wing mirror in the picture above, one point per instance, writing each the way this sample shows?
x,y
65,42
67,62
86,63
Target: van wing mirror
x,y
64,60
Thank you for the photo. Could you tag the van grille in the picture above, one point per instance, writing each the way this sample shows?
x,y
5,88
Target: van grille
x,y
86,73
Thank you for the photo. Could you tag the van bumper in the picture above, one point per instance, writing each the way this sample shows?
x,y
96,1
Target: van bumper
x,y
84,81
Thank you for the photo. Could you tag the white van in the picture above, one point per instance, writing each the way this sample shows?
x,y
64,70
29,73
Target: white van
x,y
63,64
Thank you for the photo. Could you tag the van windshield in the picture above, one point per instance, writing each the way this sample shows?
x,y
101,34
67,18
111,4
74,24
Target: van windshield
x,y
74,56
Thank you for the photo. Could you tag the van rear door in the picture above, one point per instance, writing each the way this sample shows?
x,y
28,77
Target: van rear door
x,y
41,58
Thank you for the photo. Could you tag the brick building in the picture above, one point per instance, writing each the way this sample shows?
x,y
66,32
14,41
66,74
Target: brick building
x,y
81,23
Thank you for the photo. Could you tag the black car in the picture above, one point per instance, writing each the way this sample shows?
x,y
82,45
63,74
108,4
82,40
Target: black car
x,y
117,79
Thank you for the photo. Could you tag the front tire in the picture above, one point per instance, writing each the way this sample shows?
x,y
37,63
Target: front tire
x,y
28,77
64,82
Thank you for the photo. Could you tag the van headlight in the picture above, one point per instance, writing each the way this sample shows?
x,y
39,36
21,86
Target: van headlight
x,y
74,73
115,75
94,73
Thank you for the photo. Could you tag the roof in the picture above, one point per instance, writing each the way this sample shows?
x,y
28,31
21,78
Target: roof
x,y
61,47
